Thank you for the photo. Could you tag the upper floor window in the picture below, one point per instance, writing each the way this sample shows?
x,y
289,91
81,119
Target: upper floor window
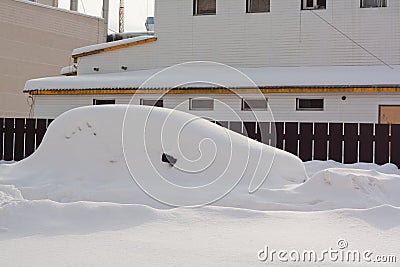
x,y
205,7
257,6
313,4
373,3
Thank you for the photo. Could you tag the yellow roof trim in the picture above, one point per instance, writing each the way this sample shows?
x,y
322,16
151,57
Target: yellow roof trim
x,y
217,91
75,57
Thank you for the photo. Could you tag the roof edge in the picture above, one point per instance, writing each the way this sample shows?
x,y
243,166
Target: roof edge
x,y
112,47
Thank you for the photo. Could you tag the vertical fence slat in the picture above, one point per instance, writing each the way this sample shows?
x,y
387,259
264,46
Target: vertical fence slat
x,y
9,140
350,143
1,137
30,133
366,142
395,145
291,137
320,141
305,141
381,143
236,126
267,136
279,134
250,130
19,139
41,127
335,141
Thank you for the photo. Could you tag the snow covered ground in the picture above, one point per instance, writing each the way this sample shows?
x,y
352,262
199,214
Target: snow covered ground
x,y
74,202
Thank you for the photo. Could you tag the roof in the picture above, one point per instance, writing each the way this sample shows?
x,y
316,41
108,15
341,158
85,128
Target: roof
x,y
182,76
103,47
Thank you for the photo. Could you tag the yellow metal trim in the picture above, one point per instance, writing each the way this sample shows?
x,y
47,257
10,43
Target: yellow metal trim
x,y
217,91
75,57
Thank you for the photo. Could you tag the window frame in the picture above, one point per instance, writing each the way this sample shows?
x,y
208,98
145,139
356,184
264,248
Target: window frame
x,y
298,108
196,9
314,7
249,9
155,101
362,4
95,102
200,99
248,108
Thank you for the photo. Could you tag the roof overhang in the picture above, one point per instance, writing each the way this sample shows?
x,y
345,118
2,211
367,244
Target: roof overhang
x,y
111,46
219,79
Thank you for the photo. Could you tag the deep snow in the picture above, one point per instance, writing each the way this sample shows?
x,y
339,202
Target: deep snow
x,y
75,203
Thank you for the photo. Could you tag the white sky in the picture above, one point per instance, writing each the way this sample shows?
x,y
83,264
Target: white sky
x,y
136,12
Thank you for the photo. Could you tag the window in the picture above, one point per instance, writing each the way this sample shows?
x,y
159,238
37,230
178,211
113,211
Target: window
x,y
103,101
373,3
254,104
257,6
201,104
309,104
152,102
313,4
205,7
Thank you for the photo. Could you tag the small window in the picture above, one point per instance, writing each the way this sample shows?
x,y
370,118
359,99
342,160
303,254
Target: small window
x,y
254,104
103,101
201,104
313,4
205,7
309,104
373,3
257,6
152,102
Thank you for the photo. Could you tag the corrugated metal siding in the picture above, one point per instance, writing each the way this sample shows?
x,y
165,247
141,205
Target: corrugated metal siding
x,y
286,36
356,108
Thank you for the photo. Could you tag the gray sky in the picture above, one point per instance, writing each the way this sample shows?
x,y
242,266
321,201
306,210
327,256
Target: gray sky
x,y
136,12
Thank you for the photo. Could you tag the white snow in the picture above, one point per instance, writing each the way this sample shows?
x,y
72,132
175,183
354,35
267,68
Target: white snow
x,y
100,46
74,203
226,77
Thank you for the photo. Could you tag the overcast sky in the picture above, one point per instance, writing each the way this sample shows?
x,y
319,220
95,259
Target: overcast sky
x,y
136,12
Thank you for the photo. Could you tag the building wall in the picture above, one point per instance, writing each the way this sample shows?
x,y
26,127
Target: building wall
x,y
286,36
356,108
37,41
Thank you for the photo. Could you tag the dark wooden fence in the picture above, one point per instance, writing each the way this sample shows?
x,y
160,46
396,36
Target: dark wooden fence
x,y
20,137
341,142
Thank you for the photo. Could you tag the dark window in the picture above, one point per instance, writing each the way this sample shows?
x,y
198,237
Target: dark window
x,y
201,104
309,104
254,104
103,101
152,102
257,6
313,4
205,7
373,3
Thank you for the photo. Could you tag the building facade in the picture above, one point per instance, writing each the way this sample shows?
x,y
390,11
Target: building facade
x,y
36,41
313,46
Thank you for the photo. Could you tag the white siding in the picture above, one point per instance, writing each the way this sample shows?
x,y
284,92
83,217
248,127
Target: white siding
x,y
286,36
356,108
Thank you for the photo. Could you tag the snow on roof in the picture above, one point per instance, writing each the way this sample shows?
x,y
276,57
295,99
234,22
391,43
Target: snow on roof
x,y
95,47
68,70
221,76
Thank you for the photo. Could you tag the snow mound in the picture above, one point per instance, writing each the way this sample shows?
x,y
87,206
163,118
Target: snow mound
x,y
93,154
